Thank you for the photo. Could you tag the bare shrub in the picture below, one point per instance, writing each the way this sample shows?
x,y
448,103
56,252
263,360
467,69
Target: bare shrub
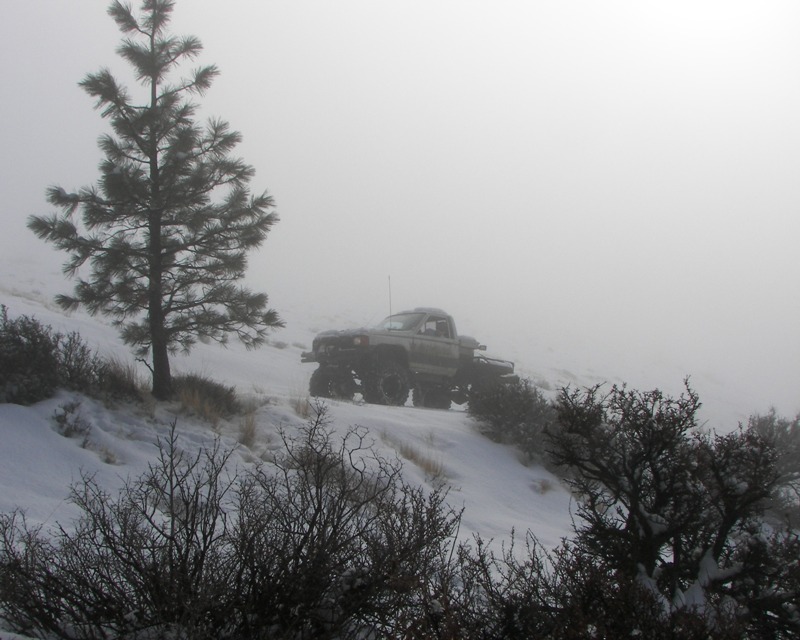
x,y
328,543
148,559
80,368
350,548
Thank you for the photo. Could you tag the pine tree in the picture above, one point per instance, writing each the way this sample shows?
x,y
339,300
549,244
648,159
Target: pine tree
x,y
167,230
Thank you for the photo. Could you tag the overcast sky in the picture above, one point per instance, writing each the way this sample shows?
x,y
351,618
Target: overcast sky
x,y
613,181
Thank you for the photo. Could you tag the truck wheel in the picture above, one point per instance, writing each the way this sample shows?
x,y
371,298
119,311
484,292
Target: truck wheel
x,y
388,385
330,382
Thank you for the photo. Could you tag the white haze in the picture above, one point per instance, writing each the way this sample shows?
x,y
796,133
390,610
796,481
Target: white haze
x,y
600,191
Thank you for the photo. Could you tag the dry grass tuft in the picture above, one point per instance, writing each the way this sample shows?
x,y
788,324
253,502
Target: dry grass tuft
x,y
106,455
247,430
193,402
302,404
122,380
206,398
543,486
432,466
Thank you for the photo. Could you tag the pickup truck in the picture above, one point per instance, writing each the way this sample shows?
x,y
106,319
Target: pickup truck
x,y
417,352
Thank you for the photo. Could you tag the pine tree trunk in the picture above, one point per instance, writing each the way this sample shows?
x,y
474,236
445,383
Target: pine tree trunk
x,y
162,378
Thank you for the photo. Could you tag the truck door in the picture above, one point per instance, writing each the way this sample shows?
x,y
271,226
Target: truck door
x,y
434,348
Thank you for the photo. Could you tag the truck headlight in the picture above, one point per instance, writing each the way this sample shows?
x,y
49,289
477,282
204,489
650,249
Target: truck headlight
x,y
361,341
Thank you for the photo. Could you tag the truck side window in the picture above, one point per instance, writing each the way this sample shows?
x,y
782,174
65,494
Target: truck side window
x,y
438,327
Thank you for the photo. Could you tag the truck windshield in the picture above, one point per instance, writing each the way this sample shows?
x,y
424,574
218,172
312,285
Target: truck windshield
x,y
401,322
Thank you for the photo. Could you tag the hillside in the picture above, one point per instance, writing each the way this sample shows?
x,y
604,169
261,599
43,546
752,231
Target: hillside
x,y
497,491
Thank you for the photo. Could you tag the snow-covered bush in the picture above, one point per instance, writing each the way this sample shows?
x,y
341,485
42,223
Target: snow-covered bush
x,y
564,594
35,360
79,367
785,433
677,510
515,413
29,362
670,540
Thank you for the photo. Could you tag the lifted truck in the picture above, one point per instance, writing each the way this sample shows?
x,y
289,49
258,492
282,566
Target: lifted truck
x,y
414,351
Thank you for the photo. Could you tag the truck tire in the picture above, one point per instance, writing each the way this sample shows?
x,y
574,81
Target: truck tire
x,y
387,385
331,382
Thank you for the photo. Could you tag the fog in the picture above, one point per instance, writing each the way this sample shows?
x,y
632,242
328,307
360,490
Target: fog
x,y
604,186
